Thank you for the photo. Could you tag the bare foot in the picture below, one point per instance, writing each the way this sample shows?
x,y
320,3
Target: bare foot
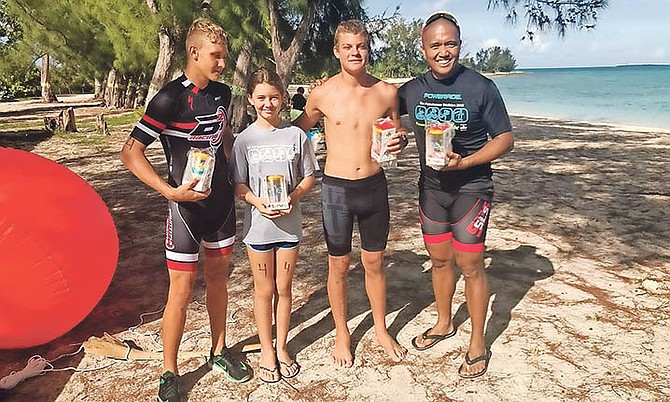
x,y
342,353
283,356
392,348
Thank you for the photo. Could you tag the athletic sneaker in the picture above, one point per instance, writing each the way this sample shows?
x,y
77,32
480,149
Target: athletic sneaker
x,y
169,388
233,369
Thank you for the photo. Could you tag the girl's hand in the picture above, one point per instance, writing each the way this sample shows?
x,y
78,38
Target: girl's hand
x,y
284,212
263,209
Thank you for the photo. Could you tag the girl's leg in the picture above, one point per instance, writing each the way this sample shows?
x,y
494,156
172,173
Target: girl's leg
x,y
263,269
286,260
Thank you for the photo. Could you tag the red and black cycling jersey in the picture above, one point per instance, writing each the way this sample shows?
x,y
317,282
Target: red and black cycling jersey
x,y
184,116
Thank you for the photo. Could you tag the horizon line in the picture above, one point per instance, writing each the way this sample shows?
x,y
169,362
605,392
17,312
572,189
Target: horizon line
x,y
600,65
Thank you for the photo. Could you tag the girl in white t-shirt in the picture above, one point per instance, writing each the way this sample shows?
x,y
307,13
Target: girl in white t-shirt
x,y
265,154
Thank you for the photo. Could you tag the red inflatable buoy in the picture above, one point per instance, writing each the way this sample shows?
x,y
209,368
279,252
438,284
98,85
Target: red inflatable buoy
x,y
58,249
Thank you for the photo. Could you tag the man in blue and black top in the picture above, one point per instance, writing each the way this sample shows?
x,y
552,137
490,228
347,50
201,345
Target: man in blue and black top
x,y
455,200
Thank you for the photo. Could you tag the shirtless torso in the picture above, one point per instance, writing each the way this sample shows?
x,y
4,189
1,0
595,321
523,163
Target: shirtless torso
x,y
349,105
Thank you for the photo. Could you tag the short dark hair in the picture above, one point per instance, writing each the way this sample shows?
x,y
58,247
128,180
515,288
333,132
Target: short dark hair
x,y
301,90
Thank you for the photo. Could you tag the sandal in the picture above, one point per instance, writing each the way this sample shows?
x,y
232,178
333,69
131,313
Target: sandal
x,y
268,375
288,370
483,358
435,338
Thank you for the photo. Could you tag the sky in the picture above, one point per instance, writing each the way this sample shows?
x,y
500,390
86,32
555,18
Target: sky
x,y
627,32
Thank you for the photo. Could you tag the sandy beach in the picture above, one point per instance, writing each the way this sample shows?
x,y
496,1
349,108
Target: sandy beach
x,y
578,260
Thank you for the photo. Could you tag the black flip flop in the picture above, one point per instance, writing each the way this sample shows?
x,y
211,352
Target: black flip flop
x,y
295,367
434,337
271,371
486,357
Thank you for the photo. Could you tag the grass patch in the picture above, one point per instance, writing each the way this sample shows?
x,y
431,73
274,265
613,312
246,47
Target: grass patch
x,y
85,125
123,119
21,126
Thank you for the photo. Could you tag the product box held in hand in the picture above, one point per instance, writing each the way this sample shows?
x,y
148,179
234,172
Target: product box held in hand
x,y
276,193
438,142
382,132
200,164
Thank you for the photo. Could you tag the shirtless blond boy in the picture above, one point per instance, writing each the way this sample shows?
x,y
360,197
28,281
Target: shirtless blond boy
x,y
354,185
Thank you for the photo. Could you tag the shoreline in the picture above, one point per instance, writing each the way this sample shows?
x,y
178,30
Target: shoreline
x,y
613,126
7,109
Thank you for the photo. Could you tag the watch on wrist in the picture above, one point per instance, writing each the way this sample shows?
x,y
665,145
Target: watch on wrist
x,y
404,140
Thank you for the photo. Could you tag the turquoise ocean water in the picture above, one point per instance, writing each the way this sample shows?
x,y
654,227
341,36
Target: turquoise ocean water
x,y
629,95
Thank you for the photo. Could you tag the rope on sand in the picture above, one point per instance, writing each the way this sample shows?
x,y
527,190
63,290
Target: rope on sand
x,y
109,347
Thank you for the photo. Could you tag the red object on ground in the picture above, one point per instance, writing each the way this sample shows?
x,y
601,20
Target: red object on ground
x,y
58,249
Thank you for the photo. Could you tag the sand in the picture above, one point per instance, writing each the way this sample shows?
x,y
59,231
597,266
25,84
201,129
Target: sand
x,y
578,261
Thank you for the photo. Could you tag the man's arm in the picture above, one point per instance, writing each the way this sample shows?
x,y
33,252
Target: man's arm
x,y
498,146
133,156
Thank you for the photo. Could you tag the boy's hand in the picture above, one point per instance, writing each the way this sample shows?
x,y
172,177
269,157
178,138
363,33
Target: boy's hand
x,y
185,192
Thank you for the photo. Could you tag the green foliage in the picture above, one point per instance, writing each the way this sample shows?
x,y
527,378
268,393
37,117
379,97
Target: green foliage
x,y
129,31
68,79
468,62
557,15
66,30
399,55
10,29
19,77
316,57
494,60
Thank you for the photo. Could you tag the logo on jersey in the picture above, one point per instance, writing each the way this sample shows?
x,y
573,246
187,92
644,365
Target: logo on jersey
x,y
440,96
271,153
456,115
169,244
476,227
210,127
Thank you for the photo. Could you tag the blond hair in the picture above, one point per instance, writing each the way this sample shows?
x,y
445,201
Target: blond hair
x,y
204,28
354,27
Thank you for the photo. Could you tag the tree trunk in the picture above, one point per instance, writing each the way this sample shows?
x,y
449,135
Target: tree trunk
x,y
101,124
116,90
69,122
141,96
153,6
47,93
164,63
240,118
98,89
131,94
286,59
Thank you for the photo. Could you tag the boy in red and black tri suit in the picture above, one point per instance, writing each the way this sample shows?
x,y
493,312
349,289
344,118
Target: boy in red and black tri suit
x,y
191,112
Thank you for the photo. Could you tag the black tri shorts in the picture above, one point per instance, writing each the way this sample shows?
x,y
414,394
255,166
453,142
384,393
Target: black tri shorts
x,y
364,199
190,224
461,218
